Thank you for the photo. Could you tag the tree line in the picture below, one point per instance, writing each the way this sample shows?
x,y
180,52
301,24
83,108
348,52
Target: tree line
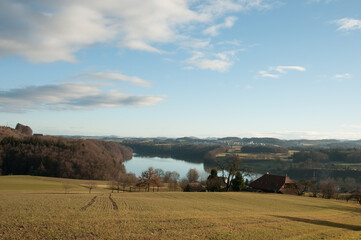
x,y
263,149
191,152
325,158
61,157
230,179
345,189
352,155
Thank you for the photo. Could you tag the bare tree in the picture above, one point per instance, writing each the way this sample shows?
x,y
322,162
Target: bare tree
x,y
129,180
174,176
91,185
315,188
350,184
169,176
112,184
149,178
66,187
303,186
159,172
172,185
192,175
356,196
183,183
116,177
172,179
328,188
229,167
119,181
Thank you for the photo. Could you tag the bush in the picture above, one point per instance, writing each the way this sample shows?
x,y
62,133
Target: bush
x,y
238,182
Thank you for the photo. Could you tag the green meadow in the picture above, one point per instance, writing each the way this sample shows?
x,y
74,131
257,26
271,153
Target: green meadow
x,y
39,208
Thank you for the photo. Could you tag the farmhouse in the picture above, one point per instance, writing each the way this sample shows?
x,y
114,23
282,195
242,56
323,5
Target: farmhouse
x,y
274,183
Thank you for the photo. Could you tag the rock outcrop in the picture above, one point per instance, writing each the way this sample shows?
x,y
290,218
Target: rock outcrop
x,y
26,130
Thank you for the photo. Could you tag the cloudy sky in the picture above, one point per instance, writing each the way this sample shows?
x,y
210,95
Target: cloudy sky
x,y
273,68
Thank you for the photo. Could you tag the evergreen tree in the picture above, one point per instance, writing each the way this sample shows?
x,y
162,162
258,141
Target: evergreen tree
x,y
238,182
214,183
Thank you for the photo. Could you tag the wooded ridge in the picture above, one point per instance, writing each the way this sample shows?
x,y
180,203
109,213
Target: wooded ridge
x,y
58,156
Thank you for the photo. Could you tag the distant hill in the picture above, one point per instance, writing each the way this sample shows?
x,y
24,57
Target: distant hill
x,y
22,153
297,144
190,152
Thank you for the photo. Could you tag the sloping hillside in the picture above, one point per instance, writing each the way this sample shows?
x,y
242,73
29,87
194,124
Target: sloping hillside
x,y
167,215
59,157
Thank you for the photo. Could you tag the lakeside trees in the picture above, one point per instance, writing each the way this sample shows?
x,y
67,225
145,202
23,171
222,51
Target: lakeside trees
x,y
171,177
214,183
192,175
149,178
190,152
321,157
229,166
237,183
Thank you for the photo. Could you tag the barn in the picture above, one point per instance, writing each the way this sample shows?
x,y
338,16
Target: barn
x,y
275,184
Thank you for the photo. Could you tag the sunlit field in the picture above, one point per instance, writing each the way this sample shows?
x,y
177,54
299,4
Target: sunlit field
x,y
39,208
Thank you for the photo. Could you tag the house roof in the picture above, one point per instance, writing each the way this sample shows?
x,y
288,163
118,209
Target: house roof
x,y
269,182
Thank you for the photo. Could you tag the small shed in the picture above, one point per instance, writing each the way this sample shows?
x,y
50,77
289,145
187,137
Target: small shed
x,y
274,183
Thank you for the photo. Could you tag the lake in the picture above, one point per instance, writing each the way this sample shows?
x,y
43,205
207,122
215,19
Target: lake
x,y
138,164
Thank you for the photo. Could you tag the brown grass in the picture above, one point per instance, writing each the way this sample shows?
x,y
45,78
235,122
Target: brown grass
x,y
174,215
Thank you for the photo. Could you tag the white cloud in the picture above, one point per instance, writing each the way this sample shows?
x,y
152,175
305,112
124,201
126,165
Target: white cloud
x,y
212,61
139,45
213,64
342,76
263,73
234,42
275,72
74,96
217,60
348,24
214,30
47,31
282,69
114,76
220,7
192,43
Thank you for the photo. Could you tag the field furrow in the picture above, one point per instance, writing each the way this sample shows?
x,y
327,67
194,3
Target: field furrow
x,y
175,215
91,202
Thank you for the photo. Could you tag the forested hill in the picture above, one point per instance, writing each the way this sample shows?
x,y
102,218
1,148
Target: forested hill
x,y
23,153
189,152
301,144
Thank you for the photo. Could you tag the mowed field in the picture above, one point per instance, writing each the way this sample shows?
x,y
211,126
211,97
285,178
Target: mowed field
x,y
37,208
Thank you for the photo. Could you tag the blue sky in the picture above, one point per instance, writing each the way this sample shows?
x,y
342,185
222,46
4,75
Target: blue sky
x,y
262,68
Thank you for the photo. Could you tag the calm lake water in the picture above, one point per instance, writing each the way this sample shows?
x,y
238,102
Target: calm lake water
x,y
139,164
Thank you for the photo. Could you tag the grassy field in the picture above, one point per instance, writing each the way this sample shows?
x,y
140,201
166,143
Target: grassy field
x,y
262,162
257,156
37,208
355,166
